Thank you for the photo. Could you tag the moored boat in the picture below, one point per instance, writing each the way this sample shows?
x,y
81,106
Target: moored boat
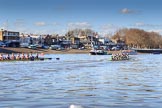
x,y
98,52
156,52
152,51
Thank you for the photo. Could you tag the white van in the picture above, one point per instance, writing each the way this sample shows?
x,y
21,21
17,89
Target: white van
x,y
55,47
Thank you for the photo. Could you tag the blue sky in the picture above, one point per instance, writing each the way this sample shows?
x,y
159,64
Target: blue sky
x,y
58,16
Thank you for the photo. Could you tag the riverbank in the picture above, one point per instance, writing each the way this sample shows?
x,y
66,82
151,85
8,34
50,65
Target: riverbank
x,y
46,51
40,50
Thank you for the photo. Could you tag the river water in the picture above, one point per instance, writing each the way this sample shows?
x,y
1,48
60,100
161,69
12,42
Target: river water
x,y
82,80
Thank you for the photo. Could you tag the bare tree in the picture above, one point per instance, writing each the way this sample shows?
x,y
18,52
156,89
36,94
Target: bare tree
x,y
139,38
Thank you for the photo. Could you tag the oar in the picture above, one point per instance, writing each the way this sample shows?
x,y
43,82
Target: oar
x,y
51,58
57,58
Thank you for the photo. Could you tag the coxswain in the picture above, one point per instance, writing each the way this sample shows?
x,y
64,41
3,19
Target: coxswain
x,y
1,57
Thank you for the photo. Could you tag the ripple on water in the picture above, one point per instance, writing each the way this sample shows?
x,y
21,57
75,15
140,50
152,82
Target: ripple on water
x,y
49,70
89,81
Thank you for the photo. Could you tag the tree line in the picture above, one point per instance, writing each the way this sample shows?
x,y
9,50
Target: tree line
x,y
82,32
132,37
138,38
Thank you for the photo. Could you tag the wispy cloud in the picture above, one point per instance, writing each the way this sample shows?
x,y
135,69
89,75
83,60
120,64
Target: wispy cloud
x,y
55,24
19,23
127,11
156,30
40,23
49,31
149,27
60,8
108,29
142,24
5,25
44,31
109,26
61,32
79,25
139,24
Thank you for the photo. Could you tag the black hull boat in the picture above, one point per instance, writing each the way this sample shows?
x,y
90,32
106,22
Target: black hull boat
x,y
152,51
98,52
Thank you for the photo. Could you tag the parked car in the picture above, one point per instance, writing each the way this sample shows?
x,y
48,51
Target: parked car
x,y
115,48
81,48
60,48
45,47
54,47
32,46
13,43
24,45
2,44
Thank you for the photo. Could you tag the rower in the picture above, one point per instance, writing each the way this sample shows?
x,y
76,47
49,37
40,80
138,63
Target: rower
x,y
31,57
13,56
22,56
8,57
18,56
27,56
36,57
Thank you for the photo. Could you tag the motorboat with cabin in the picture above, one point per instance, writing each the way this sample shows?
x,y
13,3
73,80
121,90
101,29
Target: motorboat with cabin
x,y
98,52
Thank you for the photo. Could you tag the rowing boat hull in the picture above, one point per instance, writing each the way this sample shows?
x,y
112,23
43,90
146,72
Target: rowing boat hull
x,y
119,60
38,59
